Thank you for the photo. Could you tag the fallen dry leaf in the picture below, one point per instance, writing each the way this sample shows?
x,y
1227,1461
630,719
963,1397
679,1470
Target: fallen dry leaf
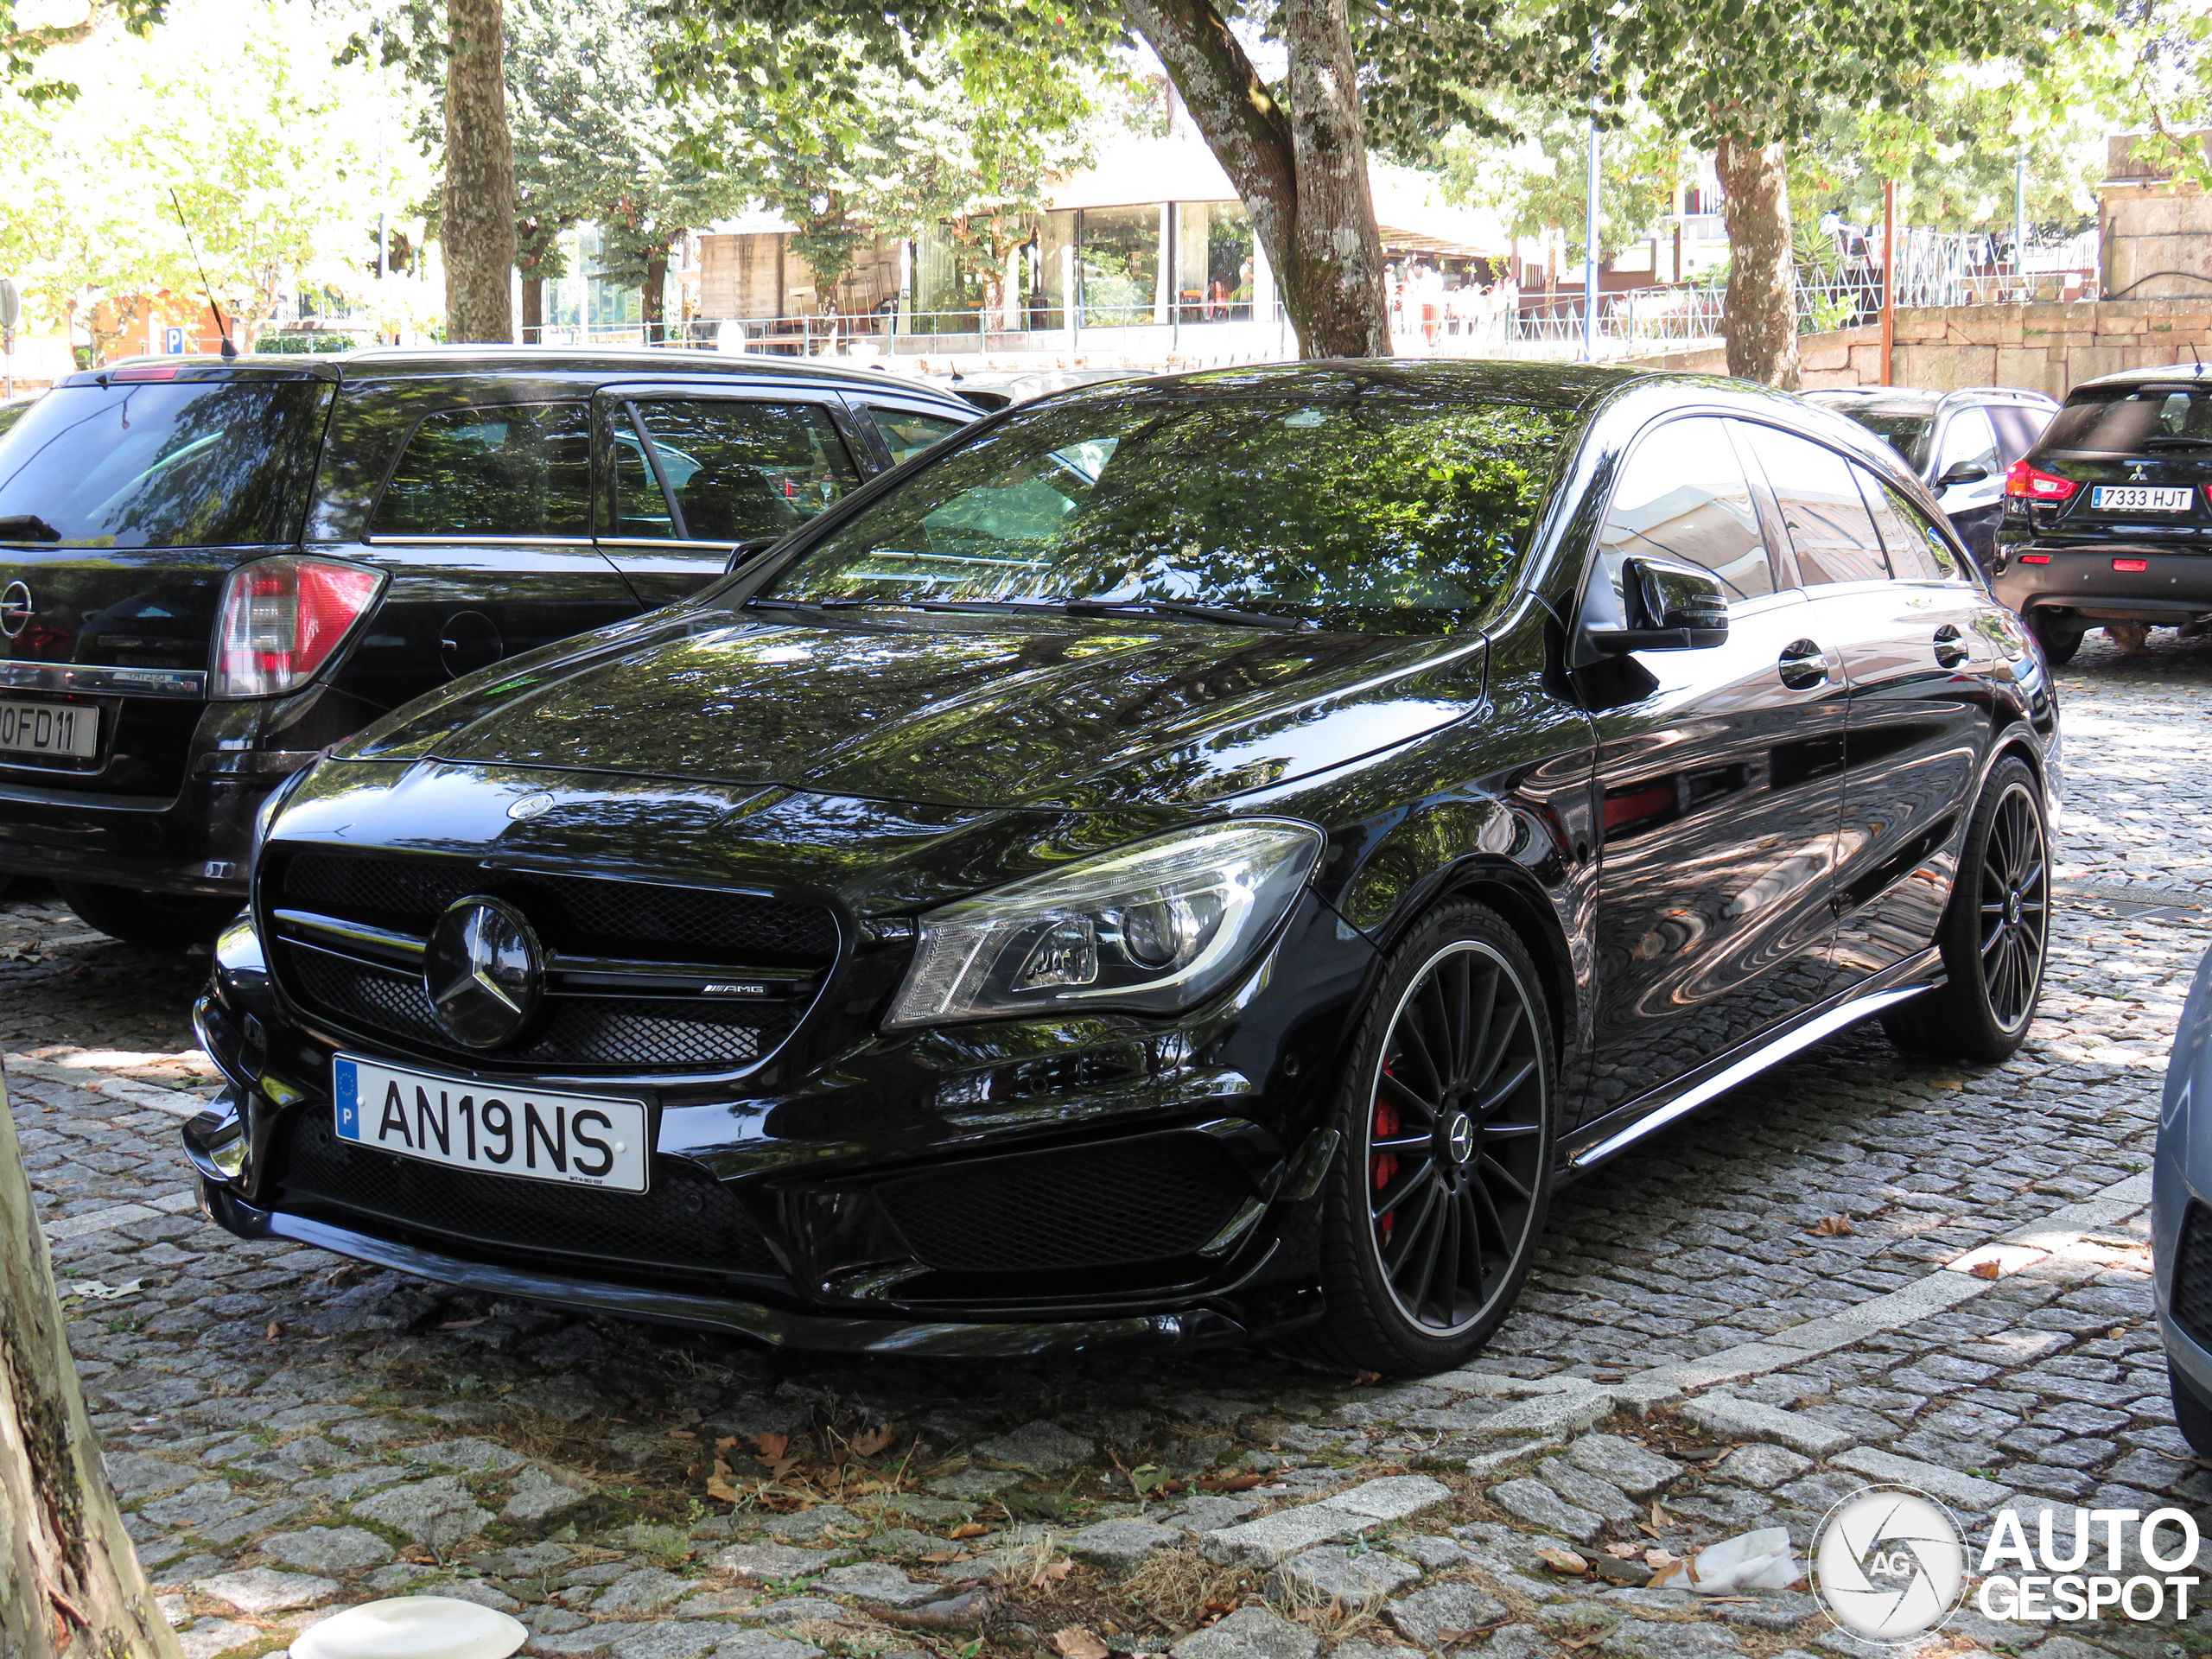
x,y
723,1446
1243,1483
1833,1227
1657,1559
869,1441
939,1557
1562,1560
1366,1379
1625,1552
718,1483
274,1332
1659,1515
969,1530
1076,1642
770,1446
1576,1643
1051,1573
1990,1269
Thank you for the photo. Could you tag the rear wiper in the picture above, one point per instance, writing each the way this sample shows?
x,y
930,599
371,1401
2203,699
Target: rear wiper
x,y
2175,440
1181,608
27,527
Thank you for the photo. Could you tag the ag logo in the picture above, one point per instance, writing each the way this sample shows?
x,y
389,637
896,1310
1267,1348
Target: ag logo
x,y
1890,1564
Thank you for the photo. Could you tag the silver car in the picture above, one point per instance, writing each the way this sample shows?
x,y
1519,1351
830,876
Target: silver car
x,y
2181,1213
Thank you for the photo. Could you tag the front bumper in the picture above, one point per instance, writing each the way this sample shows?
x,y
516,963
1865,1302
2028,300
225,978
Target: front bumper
x,y
778,1327
2176,587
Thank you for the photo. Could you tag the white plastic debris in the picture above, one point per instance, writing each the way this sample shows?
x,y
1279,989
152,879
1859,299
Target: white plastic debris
x,y
1751,1560
413,1627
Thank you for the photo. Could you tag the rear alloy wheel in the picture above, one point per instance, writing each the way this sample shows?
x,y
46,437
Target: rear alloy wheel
x,y
1995,934
2058,644
161,921
1445,1171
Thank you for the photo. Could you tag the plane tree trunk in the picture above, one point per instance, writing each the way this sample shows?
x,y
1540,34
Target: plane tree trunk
x,y
70,1586
1760,312
477,218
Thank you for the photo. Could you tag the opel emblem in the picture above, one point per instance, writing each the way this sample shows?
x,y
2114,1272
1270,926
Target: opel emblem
x,y
530,807
1461,1136
14,609
484,971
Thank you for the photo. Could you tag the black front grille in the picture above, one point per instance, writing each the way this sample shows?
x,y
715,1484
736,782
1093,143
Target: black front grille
x,y
575,917
1129,1201
650,1033
688,1225
2191,1301
582,915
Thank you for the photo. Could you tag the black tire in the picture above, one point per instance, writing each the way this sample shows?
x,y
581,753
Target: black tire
x,y
1995,936
161,921
2192,1412
1467,1191
2058,644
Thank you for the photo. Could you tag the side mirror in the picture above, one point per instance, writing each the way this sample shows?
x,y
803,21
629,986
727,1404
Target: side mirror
x,y
1963,472
1670,608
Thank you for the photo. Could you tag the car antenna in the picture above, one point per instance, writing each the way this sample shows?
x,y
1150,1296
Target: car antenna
x,y
2199,369
230,351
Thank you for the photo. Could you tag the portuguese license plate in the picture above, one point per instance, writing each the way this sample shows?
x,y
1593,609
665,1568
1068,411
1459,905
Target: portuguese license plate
x,y
67,728
580,1139
2137,497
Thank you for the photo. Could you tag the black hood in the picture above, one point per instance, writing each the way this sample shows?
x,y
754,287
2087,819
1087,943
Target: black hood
x,y
981,711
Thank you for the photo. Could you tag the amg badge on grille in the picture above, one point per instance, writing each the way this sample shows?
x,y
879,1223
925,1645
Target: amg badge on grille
x,y
484,971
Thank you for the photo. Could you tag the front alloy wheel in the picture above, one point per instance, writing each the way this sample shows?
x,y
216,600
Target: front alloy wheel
x,y
1445,1172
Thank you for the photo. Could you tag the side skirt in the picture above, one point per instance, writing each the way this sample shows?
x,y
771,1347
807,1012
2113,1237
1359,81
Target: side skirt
x,y
1595,1142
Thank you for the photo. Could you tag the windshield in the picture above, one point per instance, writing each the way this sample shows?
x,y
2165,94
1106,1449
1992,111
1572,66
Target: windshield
x,y
200,463
1385,512
1907,434
2122,420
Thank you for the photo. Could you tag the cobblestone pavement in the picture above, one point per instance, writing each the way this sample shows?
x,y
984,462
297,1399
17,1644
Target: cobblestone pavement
x,y
1732,1329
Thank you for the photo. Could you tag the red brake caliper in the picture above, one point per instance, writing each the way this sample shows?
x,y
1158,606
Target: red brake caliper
x,y
1384,1164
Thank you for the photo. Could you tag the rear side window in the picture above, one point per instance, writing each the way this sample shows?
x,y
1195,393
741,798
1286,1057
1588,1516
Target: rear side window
x,y
198,463
738,470
1682,496
519,469
906,434
1916,548
2125,420
1829,525
2018,427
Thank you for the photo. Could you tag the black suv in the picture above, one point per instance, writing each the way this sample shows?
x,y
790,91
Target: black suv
x,y
2108,518
1184,859
210,572
1962,443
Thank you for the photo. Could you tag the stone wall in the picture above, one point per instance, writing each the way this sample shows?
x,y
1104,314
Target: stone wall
x,y
2049,348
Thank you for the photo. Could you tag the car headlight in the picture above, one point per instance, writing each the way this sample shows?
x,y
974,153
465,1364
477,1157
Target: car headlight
x,y
1152,928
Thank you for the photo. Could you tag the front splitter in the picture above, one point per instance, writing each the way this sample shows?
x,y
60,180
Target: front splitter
x,y
936,1339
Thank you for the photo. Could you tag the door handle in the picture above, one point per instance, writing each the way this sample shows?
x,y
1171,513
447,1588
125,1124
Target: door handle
x,y
1950,650
1803,666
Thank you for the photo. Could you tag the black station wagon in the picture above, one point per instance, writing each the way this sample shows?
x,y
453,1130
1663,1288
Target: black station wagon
x,y
1189,860
212,571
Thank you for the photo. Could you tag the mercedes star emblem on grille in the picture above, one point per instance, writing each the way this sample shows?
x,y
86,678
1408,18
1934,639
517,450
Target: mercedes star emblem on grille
x,y
14,609
484,971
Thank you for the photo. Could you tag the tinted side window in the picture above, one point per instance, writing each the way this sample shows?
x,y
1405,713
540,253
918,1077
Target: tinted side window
x,y
1968,436
739,470
519,470
1682,496
2120,420
1828,522
1917,550
907,434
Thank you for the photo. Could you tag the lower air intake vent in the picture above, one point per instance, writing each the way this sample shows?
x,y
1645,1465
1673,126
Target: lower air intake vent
x,y
1129,1201
690,1224
2192,1287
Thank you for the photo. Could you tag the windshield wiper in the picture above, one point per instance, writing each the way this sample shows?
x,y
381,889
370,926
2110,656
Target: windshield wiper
x,y
2176,440
1178,607
27,527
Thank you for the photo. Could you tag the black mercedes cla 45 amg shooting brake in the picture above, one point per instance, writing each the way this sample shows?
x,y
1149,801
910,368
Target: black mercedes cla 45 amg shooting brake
x,y
1193,858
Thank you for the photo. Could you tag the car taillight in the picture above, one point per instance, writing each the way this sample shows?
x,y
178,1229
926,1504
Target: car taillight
x,y
282,619
2035,558
2028,484
2131,564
